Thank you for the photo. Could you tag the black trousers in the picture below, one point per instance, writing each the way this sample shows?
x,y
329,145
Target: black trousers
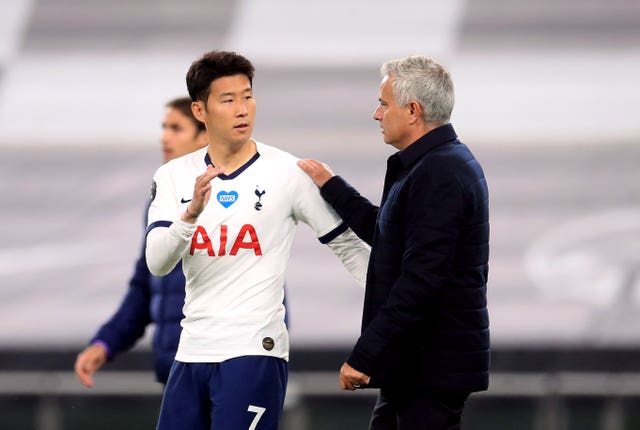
x,y
420,411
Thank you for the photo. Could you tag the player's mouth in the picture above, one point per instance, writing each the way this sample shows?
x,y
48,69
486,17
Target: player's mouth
x,y
242,126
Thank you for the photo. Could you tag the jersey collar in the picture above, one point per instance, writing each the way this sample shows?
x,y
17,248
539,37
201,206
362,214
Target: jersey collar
x,y
245,166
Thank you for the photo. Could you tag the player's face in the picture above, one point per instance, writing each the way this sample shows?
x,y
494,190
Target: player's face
x,y
231,110
392,117
180,135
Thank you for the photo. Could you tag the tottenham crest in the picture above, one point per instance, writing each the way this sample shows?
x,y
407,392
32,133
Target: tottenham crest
x,y
258,205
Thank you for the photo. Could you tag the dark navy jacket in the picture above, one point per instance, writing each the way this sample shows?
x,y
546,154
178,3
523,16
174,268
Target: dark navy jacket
x,y
149,299
425,321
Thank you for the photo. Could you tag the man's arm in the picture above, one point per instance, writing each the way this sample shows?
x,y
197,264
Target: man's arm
x,y
355,210
312,209
167,245
431,221
123,329
168,241
353,253
128,324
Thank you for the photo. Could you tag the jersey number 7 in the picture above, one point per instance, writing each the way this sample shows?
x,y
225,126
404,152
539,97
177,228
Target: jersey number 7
x,y
258,411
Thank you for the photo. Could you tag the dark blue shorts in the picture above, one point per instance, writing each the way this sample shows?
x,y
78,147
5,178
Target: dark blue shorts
x,y
241,393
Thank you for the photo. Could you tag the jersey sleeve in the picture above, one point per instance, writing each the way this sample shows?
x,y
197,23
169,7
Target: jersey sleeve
x,y
168,237
163,208
312,209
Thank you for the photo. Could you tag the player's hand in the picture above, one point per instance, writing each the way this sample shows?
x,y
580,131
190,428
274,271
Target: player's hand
x,y
351,379
319,172
201,193
88,362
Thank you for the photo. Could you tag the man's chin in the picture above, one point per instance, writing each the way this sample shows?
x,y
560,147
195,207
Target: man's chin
x,y
241,140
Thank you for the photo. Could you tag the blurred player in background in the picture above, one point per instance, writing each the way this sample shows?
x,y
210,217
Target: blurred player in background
x,y
149,299
229,213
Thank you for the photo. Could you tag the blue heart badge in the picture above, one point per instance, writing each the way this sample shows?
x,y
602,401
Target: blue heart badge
x,y
226,199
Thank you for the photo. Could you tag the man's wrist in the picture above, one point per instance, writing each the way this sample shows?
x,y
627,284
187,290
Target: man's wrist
x,y
188,216
103,345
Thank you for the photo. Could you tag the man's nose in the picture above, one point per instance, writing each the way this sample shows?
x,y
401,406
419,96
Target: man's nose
x,y
376,114
243,110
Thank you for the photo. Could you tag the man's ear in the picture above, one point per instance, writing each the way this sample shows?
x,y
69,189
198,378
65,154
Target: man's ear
x,y
415,111
198,109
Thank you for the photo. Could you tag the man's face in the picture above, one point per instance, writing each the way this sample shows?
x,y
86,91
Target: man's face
x,y
393,118
180,135
230,110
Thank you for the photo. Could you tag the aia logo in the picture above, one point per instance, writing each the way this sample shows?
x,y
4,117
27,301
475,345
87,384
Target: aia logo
x,y
247,238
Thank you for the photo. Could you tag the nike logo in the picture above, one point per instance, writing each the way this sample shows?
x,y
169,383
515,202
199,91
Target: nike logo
x,y
182,200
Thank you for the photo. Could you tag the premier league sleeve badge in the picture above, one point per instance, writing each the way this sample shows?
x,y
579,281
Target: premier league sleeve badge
x,y
154,188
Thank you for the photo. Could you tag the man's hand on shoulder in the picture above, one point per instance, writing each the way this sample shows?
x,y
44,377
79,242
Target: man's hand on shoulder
x,y
319,172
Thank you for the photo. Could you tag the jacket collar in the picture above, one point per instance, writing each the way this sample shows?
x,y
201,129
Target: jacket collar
x,y
436,137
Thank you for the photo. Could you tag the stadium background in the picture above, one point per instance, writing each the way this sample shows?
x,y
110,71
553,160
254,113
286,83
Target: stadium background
x,y
548,98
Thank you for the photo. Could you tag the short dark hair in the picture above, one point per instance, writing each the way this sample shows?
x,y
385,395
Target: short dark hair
x,y
183,105
214,65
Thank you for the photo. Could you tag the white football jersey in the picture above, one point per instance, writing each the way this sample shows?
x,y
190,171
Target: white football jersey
x,y
235,256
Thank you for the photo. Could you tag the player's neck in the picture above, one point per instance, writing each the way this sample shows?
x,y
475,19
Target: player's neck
x,y
231,157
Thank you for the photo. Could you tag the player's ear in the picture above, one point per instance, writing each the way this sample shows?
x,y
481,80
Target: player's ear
x,y
198,109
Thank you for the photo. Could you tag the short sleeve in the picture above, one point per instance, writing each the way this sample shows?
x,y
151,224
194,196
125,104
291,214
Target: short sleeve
x,y
310,208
